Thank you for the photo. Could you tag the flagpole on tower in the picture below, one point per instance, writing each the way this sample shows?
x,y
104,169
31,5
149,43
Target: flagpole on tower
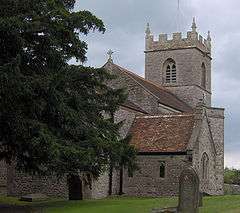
x,y
180,18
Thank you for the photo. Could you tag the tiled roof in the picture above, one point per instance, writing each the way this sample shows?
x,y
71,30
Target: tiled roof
x,y
163,133
165,96
133,106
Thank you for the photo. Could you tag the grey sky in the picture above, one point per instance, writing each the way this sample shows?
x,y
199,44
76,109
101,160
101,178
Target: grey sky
x,y
126,20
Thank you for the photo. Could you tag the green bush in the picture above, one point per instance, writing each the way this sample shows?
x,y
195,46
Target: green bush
x,y
231,176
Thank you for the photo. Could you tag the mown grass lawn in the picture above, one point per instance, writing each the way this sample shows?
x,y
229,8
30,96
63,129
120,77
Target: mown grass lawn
x,y
218,204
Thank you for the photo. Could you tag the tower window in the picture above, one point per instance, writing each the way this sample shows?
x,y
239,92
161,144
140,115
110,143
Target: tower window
x,y
162,170
203,78
171,71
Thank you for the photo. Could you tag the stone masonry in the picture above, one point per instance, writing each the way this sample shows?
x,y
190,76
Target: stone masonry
x,y
189,55
147,182
3,178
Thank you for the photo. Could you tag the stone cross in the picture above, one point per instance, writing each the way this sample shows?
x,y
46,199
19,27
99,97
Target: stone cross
x,y
188,191
110,53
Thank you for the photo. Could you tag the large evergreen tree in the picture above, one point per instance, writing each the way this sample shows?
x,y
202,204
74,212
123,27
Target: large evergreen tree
x,y
55,117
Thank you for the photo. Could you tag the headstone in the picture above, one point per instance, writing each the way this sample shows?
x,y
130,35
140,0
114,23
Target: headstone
x,y
34,198
188,191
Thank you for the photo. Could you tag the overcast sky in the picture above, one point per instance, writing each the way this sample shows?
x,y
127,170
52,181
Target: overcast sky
x,y
126,21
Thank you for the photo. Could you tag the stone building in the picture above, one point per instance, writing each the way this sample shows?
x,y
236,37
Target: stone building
x,y
180,127
171,120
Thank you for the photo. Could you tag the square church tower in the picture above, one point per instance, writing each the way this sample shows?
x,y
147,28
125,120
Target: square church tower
x,y
182,65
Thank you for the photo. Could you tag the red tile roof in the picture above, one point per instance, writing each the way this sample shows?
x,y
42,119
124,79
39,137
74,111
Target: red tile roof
x,y
165,96
163,133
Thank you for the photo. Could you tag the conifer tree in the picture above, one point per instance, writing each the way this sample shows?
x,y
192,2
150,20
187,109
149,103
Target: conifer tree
x,y
55,117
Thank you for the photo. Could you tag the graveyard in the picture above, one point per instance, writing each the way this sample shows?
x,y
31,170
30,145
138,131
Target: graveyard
x,y
189,200
213,204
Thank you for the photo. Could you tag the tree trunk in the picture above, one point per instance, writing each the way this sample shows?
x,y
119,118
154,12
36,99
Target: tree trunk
x,y
121,181
110,180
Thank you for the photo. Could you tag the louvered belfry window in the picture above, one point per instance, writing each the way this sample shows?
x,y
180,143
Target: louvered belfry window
x,y
171,72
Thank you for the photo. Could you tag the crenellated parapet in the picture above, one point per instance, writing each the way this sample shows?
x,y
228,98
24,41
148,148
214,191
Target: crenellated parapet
x,y
193,40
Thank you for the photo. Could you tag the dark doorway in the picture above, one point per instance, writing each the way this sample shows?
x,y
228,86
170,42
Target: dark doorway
x,y
75,187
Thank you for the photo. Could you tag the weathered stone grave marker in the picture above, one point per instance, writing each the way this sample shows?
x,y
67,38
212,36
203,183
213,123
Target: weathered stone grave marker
x,y
34,198
188,191
189,196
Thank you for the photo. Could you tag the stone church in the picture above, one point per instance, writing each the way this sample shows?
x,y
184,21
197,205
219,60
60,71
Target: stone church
x,y
170,117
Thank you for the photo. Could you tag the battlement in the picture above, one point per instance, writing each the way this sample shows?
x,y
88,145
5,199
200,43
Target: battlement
x,y
193,39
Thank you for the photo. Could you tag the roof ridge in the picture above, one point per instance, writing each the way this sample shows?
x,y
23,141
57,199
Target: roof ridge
x,y
166,115
132,73
127,72
150,82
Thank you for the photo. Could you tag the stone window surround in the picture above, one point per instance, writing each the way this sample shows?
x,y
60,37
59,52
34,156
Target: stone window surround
x,y
169,71
162,169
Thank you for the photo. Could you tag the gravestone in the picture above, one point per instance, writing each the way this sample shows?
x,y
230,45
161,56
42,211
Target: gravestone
x,y
188,191
34,198
189,196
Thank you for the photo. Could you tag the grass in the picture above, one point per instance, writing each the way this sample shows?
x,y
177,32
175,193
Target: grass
x,y
218,204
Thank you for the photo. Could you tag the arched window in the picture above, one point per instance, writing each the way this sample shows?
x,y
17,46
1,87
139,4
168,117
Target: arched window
x,y
170,71
203,78
205,165
162,169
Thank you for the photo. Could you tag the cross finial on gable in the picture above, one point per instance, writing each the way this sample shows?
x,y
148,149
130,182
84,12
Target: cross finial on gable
x,y
110,53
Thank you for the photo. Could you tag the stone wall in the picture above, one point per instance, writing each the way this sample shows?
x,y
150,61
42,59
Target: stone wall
x,y
3,178
210,141
115,182
216,123
19,184
147,181
205,145
230,189
100,186
191,94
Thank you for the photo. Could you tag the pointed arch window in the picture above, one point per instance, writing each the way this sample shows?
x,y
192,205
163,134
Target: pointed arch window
x,y
205,165
170,71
